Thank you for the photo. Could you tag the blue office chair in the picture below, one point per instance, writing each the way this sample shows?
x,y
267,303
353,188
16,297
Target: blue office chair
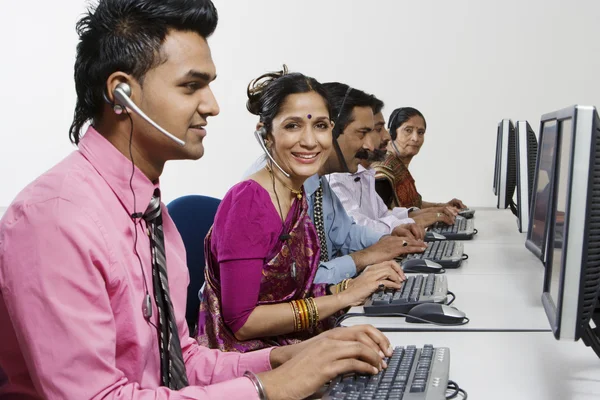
x,y
193,216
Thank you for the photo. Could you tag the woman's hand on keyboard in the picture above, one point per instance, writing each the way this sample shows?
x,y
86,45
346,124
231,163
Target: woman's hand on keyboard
x,y
388,273
321,361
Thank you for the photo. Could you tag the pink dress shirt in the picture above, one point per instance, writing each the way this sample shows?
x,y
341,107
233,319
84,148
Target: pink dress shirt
x,y
71,291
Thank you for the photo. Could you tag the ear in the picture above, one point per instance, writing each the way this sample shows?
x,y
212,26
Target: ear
x,y
120,77
261,128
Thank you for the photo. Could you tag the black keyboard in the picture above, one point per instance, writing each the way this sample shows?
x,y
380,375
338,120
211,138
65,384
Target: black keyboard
x,y
462,229
412,374
447,253
417,289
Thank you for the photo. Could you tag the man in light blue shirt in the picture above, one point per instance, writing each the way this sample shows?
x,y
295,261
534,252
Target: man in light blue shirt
x,y
350,247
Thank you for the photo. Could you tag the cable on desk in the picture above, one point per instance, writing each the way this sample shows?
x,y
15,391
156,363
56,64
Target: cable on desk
x,y
456,390
342,318
453,298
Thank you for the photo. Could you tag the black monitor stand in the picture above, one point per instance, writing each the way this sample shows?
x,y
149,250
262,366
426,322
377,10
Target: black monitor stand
x,y
591,336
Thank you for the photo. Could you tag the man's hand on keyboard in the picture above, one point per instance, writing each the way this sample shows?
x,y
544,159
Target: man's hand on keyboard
x,y
430,216
457,204
387,248
321,361
388,273
366,334
411,231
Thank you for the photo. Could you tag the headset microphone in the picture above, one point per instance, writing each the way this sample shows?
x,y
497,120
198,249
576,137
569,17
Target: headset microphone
x,y
260,136
121,95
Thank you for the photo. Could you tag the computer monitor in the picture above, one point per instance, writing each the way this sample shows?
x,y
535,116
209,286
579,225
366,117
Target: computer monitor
x,y
507,173
497,160
537,231
572,276
526,154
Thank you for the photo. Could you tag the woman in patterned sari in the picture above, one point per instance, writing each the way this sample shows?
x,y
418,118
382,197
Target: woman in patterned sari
x,y
262,252
394,182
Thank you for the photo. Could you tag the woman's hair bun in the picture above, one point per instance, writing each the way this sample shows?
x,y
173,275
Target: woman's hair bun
x,y
257,87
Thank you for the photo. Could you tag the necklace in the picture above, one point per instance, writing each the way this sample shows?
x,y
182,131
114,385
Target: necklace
x,y
297,193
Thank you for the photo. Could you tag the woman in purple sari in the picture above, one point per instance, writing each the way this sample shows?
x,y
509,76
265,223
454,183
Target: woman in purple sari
x,y
262,252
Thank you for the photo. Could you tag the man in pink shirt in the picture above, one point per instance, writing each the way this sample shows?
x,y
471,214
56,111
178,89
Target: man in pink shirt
x,y
92,268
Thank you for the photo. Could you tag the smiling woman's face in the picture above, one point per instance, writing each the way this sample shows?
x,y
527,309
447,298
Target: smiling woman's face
x,y
411,136
301,134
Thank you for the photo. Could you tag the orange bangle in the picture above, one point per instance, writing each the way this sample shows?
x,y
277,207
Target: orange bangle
x,y
304,313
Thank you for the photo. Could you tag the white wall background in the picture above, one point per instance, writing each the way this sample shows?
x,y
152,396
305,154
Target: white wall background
x,y
465,64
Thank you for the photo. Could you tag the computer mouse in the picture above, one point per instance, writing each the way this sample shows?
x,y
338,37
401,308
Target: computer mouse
x,y
422,266
437,313
467,213
431,236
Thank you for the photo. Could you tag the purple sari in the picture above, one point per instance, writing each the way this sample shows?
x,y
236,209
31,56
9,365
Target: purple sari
x,y
288,275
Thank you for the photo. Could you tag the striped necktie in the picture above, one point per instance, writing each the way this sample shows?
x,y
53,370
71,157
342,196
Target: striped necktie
x,y
171,359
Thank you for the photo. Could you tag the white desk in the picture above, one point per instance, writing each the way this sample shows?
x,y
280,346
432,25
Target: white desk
x,y
496,226
489,357
491,302
497,259
528,366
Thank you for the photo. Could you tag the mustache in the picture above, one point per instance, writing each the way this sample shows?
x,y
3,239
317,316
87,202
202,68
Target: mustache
x,y
362,154
377,155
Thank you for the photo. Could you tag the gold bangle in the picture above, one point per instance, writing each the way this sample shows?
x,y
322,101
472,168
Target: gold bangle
x,y
315,311
298,326
294,315
309,313
345,283
311,305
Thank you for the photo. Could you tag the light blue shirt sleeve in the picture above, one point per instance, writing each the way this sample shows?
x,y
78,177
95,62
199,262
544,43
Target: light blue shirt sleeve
x,y
343,235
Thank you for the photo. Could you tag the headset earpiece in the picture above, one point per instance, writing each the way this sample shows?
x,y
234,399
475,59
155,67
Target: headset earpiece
x,y
121,93
262,132
393,133
122,101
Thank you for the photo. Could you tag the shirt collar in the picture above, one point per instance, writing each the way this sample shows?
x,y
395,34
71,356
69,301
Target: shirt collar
x,y
363,171
115,169
311,185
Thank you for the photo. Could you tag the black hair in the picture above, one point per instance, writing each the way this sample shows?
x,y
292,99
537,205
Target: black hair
x,y
377,105
343,99
267,93
126,35
400,116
